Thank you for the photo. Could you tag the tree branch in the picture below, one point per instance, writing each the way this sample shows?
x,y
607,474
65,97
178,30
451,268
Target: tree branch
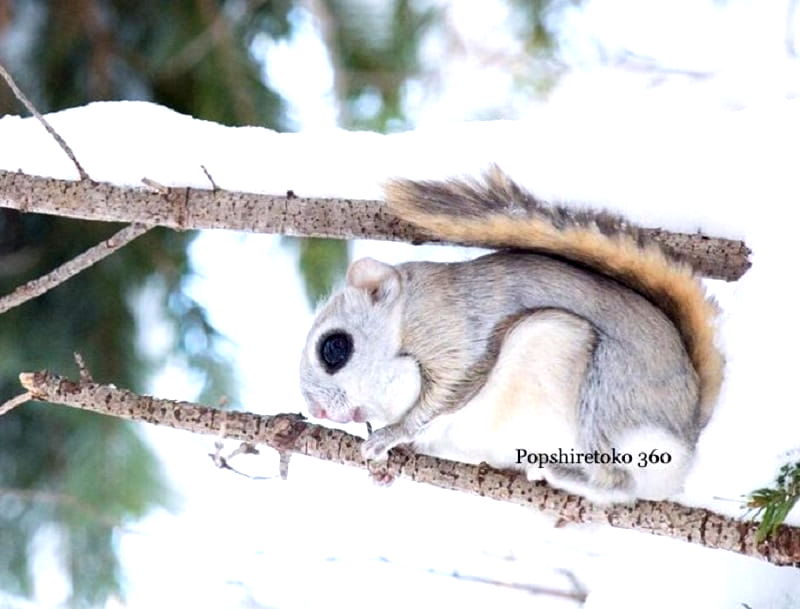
x,y
11,404
32,109
60,274
290,433
190,208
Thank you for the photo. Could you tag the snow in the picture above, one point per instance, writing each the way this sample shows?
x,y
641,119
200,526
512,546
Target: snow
x,y
327,532
718,161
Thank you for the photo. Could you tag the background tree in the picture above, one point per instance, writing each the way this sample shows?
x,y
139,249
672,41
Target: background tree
x,y
86,475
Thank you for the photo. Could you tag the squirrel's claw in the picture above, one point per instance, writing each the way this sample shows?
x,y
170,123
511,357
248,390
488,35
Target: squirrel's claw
x,y
381,441
376,447
375,450
380,474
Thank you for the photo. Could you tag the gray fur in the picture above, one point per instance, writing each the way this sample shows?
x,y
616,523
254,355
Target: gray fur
x,y
640,372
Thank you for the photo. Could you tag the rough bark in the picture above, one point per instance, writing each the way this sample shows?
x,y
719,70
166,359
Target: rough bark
x,y
290,433
191,208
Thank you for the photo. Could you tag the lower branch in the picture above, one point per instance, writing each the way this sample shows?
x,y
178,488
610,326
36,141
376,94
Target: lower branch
x,y
291,433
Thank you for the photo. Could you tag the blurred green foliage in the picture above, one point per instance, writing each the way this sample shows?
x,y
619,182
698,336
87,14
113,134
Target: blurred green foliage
x,y
373,49
374,52
69,472
537,23
322,262
83,476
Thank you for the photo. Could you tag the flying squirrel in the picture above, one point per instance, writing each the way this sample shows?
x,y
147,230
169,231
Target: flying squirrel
x,y
582,338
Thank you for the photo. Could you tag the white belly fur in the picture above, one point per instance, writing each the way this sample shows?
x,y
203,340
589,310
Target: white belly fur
x,y
529,400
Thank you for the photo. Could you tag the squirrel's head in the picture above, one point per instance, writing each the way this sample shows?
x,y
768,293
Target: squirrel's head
x,y
352,367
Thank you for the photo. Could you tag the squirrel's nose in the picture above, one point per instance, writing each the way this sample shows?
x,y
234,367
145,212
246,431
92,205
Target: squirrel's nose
x,y
317,411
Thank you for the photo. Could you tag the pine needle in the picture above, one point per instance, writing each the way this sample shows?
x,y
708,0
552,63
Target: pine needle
x,y
773,504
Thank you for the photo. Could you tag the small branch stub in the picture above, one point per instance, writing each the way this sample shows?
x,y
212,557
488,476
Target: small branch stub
x,y
83,371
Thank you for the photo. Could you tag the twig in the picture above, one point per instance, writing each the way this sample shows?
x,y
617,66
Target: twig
x,y
14,402
40,285
577,585
32,109
223,462
160,188
283,464
292,433
83,371
577,596
214,186
245,448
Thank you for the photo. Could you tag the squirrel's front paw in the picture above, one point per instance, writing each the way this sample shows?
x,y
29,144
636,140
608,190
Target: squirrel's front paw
x,y
379,472
377,446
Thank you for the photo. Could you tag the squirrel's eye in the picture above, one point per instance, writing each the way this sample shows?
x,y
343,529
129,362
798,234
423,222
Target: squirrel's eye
x,y
334,350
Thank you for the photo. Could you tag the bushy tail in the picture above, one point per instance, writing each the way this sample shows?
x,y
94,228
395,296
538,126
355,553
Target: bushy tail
x,y
498,213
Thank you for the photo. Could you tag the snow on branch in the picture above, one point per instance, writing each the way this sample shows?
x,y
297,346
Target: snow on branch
x,y
33,110
290,433
290,214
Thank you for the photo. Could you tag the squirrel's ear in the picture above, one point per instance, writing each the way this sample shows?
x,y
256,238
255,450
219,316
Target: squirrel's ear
x,y
381,281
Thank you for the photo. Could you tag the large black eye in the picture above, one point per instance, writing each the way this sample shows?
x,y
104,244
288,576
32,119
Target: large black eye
x,y
334,349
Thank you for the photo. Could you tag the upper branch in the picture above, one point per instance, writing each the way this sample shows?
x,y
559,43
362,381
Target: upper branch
x,y
190,208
